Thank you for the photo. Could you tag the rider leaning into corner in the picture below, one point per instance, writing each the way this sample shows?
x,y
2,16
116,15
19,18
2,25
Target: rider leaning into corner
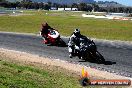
x,y
74,41
44,31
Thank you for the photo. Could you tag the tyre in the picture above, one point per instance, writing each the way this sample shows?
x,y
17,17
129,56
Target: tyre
x,y
99,58
61,42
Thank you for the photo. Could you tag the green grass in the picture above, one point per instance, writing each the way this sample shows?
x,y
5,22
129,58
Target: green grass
x,y
22,76
14,75
66,22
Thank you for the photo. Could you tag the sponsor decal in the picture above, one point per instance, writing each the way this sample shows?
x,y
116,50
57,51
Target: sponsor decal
x,y
86,81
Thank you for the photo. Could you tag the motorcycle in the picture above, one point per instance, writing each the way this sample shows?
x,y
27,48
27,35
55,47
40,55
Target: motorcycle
x,y
54,38
88,51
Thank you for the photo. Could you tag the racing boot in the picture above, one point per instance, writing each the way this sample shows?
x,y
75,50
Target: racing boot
x,y
45,42
70,55
80,57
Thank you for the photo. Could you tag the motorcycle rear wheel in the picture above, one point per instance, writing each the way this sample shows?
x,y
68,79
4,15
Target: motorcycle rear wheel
x,y
61,42
99,58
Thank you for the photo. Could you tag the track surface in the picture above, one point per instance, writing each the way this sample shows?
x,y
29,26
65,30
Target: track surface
x,y
118,60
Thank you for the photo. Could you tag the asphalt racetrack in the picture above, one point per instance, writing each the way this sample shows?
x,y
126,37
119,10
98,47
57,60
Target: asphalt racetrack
x,y
118,60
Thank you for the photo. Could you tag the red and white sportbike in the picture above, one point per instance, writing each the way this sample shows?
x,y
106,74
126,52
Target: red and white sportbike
x,y
54,38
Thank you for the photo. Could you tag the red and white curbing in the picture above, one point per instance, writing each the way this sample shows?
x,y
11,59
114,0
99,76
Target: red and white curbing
x,y
121,18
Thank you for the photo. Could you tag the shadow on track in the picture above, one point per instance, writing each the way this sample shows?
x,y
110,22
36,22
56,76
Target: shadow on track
x,y
105,63
109,63
57,45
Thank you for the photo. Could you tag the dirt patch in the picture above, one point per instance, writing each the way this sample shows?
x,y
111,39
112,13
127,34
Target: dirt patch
x,y
15,14
19,14
56,64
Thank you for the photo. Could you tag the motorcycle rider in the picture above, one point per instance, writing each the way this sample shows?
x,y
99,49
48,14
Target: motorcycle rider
x,y
74,41
44,31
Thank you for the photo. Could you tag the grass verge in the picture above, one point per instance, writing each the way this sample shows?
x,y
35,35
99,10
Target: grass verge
x,y
66,22
18,73
22,76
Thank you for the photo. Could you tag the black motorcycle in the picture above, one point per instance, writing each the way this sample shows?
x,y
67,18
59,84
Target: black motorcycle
x,y
88,51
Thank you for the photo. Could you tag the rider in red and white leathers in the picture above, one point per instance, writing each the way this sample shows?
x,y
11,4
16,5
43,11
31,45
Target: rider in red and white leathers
x,y
44,31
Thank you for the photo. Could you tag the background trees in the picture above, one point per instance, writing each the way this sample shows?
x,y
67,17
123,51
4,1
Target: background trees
x,y
28,4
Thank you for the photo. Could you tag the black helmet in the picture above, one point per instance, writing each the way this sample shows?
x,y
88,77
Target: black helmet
x,y
76,32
